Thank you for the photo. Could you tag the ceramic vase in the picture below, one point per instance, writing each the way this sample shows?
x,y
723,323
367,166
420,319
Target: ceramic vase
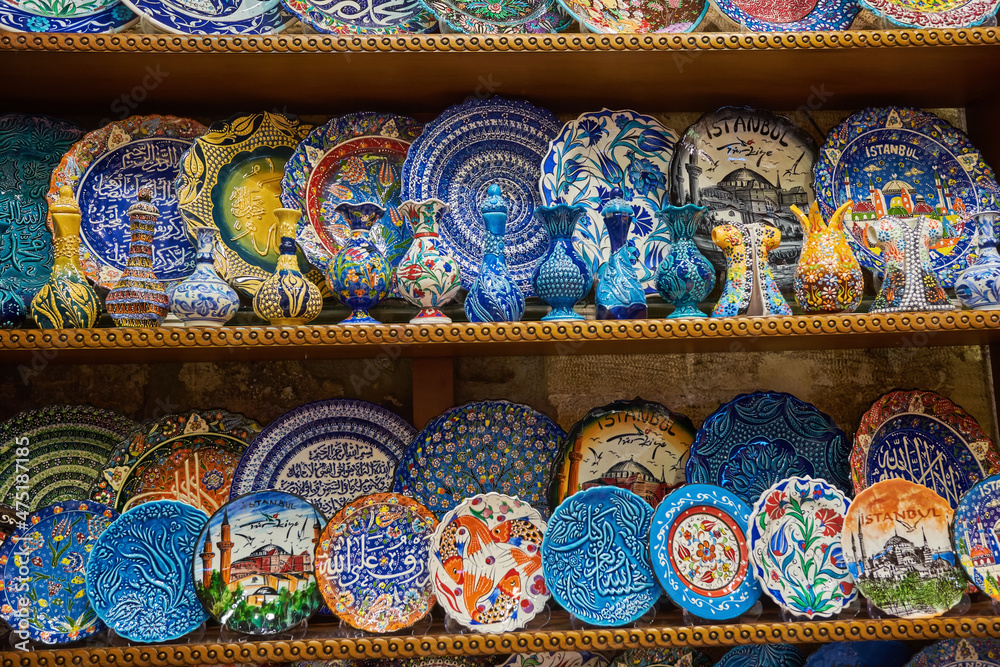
x,y
685,276
908,278
287,297
138,299
561,278
494,296
978,287
203,299
426,276
828,277
750,286
67,300
619,294
359,275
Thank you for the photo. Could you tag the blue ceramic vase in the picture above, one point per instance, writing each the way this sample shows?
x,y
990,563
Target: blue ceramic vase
x,y
619,293
203,299
494,296
685,276
359,275
561,277
978,287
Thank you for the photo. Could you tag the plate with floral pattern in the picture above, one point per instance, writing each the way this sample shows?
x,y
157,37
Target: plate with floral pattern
x,y
959,653
796,547
371,17
601,151
637,16
554,19
88,16
700,553
933,13
763,655
43,569
662,657
556,659
214,17
791,15
861,654
976,537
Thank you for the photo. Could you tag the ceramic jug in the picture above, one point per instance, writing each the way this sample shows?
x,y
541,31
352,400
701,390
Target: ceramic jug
x,y
562,277
203,299
427,277
908,278
287,297
138,299
685,276
828,277
67,300
978,287
494,296
619,294
750,286
359,275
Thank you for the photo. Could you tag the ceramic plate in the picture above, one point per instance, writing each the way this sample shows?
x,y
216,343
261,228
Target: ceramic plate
x,y
637,17
230,179
662,657
897,543
905,162
254,569
959,653
43,568
486,563
603,150
454,19
460,154
700,554
860,654
637,445
372,562
925,438
60,449
322,231
933,13
796,550
595,555
976,535
556,659
481,448
746,165
188,457
763,655
791,15
139,573
91,16
372,17
459,15
214,17
106,169
758,439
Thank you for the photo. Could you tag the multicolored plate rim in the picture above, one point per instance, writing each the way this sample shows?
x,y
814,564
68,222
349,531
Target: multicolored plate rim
x,y
825,15
110,19
572,8
970,13
424,22
270,18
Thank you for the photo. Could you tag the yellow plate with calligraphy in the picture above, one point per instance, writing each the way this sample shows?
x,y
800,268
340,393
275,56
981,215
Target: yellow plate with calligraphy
x,y
230,179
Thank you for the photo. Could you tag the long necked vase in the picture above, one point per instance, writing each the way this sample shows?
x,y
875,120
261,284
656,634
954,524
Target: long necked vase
x,y
561,278
978,287
203,299
287,297
67,300
685,276
750,286
138,299
619,294
426,276
359,275
908,278
494,296
828,277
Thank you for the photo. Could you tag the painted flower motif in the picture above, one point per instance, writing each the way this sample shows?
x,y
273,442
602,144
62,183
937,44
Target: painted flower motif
x,y
591,131
38,24
774,505
706,551
831,521
645,177
354,170
213,480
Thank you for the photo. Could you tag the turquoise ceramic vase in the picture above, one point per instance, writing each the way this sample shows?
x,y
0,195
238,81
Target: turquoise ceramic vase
x,y
619,293
561,277
494,296
685,276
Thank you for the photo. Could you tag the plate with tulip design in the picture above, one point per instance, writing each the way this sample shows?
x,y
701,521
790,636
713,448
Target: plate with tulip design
x,y
85,16
796,547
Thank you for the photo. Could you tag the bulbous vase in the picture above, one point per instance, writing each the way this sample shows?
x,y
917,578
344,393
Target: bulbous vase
x,y
562,277
828,277
203,299
685,276
426,276
359,275
978,287
286,297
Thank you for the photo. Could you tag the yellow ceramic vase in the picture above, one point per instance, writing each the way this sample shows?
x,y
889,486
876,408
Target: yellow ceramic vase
x,y
287,297
828,278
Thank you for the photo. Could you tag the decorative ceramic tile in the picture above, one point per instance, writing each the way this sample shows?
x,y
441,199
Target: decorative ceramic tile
x,y
861,654
637,16
90,16
373,17
976,535
556,659
933,13
959,653
662,657
791,15
214,17
763,655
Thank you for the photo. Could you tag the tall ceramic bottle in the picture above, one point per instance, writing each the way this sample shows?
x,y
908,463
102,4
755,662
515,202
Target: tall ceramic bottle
x,y
138,298
685,276
736,292
828,277
561,277
978,287
765,297
908,278
426,276
67,300
494,296
203,299
287,298
619,294
359,275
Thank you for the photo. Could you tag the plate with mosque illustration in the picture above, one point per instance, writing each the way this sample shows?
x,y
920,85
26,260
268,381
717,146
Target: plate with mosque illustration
x,y
637,445
253,565
86,16
371,17
763,655
933,13
976,532
214,17
925,438
230,180
106,168
905,162
959,653
556,659
189,457
662,657
791,15
761,438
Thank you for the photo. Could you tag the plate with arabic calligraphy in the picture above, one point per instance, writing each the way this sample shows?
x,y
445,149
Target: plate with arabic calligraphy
x,y
763,655
370,17
791,15
662,657
214,17
925,438
556,659
106,168
959,653
84,16
933,13
190,457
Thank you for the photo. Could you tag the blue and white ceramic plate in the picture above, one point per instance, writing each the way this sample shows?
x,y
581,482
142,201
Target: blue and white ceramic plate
x,y
465,150
603,150
976,537
700,553
758,439
369,17
662,657
90,16
595,556
43,568
139,573
556,659
763,655
791,15
905,162
861,654
480,448
329,452
214,17
959,653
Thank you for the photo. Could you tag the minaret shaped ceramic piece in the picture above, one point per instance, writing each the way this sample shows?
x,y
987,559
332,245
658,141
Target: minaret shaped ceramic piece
x,y
561,277
908,278
619,294
138,298
494,296
203,299
287,298
427,277
359,275
978,287
685,276
828,277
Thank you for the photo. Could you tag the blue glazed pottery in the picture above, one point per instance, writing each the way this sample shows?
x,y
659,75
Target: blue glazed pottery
x,y
494,296
763,655
861,654
203,299
12,309
685,276
978,287
562,277
359,274
619,293
959,653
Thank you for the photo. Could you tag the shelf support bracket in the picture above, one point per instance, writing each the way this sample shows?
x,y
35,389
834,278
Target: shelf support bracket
x,y
433,387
